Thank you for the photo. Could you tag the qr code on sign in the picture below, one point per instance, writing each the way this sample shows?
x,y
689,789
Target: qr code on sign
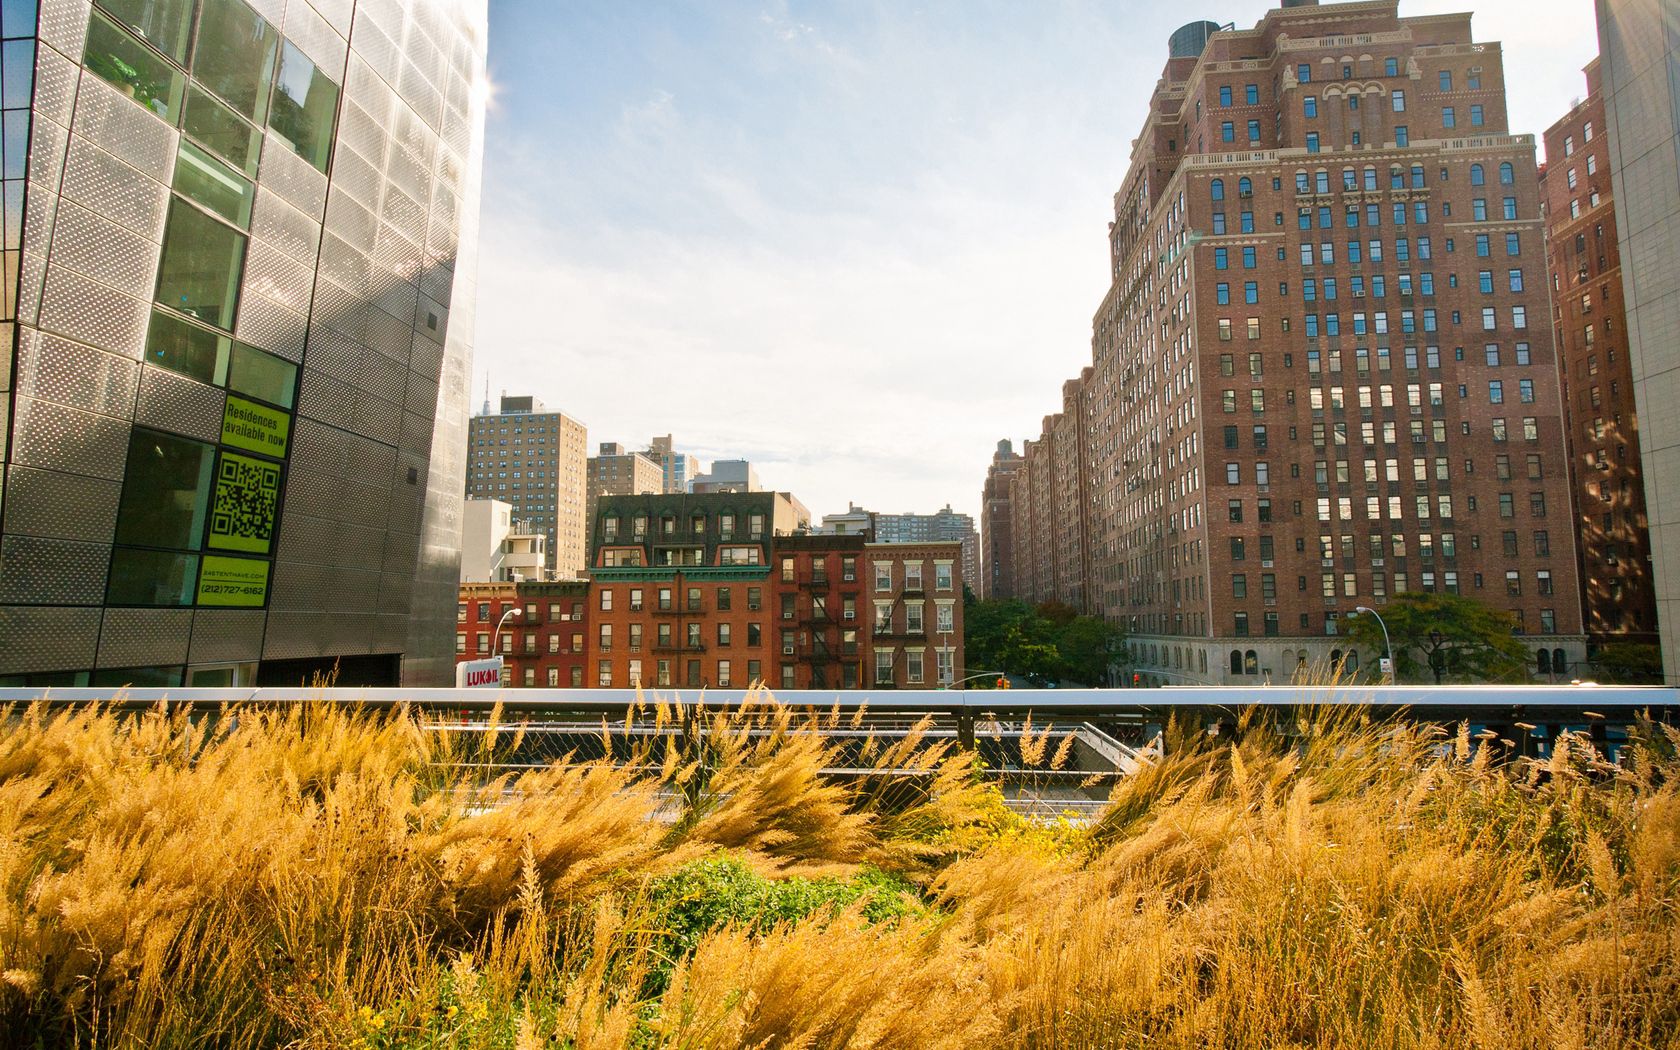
x,y
247,491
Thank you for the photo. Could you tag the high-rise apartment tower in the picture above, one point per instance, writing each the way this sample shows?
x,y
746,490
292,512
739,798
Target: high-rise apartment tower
x,y
534,459
1324,372
1590,327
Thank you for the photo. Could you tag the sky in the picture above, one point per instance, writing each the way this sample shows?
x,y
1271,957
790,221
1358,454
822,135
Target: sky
x,y
857,243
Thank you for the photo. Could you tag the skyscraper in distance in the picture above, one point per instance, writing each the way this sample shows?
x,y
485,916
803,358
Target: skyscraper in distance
x,y
534,459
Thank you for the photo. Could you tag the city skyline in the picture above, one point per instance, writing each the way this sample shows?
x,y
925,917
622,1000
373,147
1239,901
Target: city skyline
x,y
662,203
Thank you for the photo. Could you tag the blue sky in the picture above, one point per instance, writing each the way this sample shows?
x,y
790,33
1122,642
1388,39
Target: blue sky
x,y
856,243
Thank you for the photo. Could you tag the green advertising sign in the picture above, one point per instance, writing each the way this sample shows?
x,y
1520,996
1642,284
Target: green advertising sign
x,y
255,428
246,498
232,581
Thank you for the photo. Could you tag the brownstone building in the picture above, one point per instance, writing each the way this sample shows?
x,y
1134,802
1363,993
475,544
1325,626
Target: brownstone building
x,y
1323,373
915,614
542,644
997,520
1613,557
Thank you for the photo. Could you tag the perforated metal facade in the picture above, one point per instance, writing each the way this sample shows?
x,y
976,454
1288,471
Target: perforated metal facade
x,y
354,263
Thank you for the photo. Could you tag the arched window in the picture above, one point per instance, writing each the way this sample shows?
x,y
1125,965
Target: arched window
x,y
1236,661
1216,189
1507,174
1417,176
1350,181
1303,183
1560,662
1543,660
1477,177
1396,178
1335,661
1352,661
1251,662
1245,187
1370,178
1321,180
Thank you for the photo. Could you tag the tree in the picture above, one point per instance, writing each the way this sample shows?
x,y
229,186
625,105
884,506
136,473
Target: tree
x,y
1089,646
1628,663
1046,643
1443,637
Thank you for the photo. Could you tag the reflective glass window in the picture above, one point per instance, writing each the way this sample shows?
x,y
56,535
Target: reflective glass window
x,y
221,130
135,69
201,265
181,346
166,490
203,178
305,107
143,577
234,55
165,24
263,376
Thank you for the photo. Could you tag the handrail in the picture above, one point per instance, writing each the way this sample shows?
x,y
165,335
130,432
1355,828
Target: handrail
x,y
1586,699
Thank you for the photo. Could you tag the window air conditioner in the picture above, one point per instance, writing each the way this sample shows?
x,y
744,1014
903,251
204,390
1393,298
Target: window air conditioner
x,y
787,650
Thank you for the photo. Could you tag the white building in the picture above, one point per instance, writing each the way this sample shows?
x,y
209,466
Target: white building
x,y
497,549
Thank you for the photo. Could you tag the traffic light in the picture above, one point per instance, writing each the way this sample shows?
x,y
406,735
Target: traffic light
x,y
1137,680
1002,682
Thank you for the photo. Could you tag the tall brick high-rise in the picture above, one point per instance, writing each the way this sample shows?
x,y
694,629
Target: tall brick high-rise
x,y
1591,331
997,533
1323,373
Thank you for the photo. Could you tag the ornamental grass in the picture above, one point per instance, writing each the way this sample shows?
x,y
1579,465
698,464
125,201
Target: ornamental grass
x,y
329,876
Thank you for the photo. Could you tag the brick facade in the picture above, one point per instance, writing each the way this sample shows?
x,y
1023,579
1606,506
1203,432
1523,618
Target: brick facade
x,y
1614,555
1323,373
543,646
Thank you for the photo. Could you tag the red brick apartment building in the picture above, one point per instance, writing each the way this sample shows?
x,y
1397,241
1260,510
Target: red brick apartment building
x,y
821,620
915,614
542,646
727,589
1614,553
1323,373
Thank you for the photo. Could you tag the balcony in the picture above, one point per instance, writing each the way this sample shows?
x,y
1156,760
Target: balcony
x,y
817,583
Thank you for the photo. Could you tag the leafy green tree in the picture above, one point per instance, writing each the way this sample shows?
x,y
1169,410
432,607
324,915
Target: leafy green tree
x,y
1048,642
1628,663
1445,636
1089,646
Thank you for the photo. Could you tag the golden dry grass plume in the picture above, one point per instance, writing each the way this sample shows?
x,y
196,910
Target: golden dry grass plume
x,y
325,876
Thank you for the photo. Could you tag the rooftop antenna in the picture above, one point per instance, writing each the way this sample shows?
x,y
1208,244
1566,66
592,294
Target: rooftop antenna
x,y
486,394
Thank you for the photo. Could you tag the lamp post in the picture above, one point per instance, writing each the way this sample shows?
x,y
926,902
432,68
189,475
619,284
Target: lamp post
x,y
515,611
1388,649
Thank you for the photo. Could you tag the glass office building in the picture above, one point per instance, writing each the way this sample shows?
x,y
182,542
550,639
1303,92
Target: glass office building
x,y
239,265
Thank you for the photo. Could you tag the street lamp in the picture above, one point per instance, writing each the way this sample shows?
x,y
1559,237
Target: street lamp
x,y
1388,649
515,611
